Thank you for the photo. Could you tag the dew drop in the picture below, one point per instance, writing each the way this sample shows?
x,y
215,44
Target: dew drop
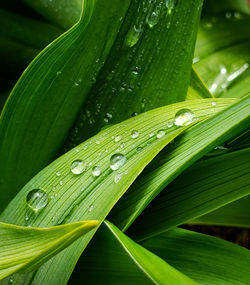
x,y
214,104
133,36
139,149
160,134
96,171
171,4
37,199
78,166
135,134
134,114
117,161
11,280
58,173
91,208
184,117
117,138
108,117
153,19
117,177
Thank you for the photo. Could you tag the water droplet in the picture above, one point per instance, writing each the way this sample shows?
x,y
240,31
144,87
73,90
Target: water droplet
x,y
228,15
108,117
78,166
91,208
153,19
139,149
170,124
37,199
135,134
96,171
160,134
151,135
117,177
184,117
58,173
214,104
171,4
117,161
117,138
61,182
133,36
134,114
11,280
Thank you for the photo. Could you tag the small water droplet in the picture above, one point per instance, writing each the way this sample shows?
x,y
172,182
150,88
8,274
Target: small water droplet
x,y
117,177
170,124
96,171
134,114
139,149
91,208
108,117
58,173
151,135
117,138
78,166
37,199
184,117
171,4
135,134
153,19
160,134
11,280
117,161
61,182
214,104
228,15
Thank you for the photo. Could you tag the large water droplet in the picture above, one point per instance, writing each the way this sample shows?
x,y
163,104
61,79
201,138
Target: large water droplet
x,y
134,134
133,36
96,171
37,199
184,117
78,166
160,134
117,161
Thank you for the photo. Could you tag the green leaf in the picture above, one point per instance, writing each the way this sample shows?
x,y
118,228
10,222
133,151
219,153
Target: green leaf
x,y
47,98
149,66
208,260
191,146
113,258
234,214
203,188
63,13
91,195
25,249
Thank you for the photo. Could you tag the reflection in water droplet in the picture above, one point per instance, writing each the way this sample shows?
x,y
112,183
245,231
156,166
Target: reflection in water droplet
x,y
117,161
91,208
37,199
96,171
134,134
117,138
78,166
160,134
184,117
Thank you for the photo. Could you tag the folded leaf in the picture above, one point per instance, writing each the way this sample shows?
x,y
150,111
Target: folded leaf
x,y
113,258
24,248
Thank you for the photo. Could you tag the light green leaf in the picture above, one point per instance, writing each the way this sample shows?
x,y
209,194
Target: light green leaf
x,y
91,195
149,66
25,248
203,188
234,214
47,98
207,260
191,146
113,258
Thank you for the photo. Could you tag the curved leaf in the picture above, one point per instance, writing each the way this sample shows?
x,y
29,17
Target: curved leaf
x,y
25,249
45,101
113,258
91,195
201,189
208,260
